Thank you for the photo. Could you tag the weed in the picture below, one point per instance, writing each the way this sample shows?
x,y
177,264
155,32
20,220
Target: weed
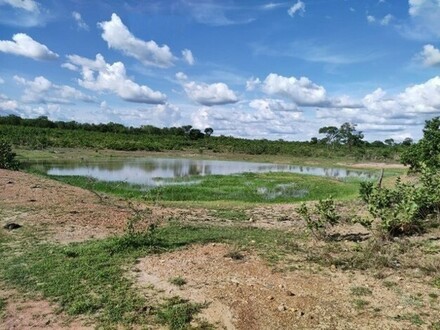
x,y
411,317
389,284
433,295
2,306
361,291
321,218
360,303
436,282
177,313
235,255
178,281
230,214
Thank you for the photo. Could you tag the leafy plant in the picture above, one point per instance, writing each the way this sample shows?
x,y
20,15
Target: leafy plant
x,y
321,218
178,281
177,313
7,157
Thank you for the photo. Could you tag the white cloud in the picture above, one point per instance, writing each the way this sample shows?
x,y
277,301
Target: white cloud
x,y
207,94
23,45
41,90
79,21
425,22
97,75
386,20
28,5
6,104
298,7
302,91
2,81
273,105
117,36
252,83
430,56
188,56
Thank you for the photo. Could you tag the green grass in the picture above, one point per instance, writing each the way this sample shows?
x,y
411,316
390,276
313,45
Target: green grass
x,y
89,278
244,188
360,291
2,306
177,313
178,281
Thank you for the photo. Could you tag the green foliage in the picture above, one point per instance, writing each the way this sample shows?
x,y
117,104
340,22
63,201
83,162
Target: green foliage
x,y
319,220
365,190
41,133
178,281
425,153
7,157
177,313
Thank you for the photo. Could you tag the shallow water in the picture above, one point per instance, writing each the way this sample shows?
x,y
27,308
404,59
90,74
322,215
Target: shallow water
x,y
161,171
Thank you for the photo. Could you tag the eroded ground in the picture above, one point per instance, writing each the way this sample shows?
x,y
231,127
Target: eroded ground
x,y
240,288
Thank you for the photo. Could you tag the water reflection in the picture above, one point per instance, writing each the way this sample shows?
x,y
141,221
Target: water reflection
x,y
159,171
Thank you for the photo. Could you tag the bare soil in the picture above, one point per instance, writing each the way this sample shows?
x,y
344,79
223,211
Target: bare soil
x,y
240,294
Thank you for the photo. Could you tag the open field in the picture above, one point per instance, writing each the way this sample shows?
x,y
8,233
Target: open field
x,y
86,259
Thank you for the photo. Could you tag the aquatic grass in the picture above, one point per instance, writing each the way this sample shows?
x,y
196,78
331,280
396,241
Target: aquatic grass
x,y
273,187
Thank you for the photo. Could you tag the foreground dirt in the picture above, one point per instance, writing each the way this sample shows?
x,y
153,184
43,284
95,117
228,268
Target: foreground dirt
x,y
240,294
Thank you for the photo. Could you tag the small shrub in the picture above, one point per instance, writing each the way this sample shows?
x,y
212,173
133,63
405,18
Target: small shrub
x,y
361,291
178,281
323,216
177,313
7,157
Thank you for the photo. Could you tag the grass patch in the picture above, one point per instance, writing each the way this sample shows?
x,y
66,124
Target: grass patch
x,y
246,187
2,306
411,317
177,313
89,278
178,281
360,291
360,303
230,214
436,282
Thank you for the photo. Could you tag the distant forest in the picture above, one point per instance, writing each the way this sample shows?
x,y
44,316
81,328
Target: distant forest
x,y
41,133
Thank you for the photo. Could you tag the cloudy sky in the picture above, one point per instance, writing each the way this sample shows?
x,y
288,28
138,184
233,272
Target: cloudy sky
x,y
254,69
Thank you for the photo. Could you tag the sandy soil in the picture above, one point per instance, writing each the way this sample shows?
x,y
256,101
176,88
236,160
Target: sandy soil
x,y
241,294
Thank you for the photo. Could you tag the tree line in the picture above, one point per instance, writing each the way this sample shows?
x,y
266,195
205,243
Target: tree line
x,y
40,133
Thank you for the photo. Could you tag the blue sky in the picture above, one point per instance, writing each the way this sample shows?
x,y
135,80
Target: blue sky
x,y
254,69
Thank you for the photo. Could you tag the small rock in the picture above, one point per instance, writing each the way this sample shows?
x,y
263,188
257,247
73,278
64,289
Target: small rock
x,y
10,182
271,298
290,293
282,308
12,226
301,313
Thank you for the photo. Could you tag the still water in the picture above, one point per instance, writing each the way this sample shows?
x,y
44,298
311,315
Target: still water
x,y
160,171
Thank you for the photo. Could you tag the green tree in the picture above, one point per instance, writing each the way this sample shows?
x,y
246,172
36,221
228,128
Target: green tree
x,y
7,157
208,131
349,136
332,135
425,153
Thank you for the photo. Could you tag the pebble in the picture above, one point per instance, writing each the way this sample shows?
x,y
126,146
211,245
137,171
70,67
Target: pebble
x,y
282,308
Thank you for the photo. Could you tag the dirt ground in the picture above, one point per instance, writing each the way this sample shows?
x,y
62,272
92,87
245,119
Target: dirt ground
x,y
240,294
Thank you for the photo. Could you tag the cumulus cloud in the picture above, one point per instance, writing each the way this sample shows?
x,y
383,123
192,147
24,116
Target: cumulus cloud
x,y
298,7
41,90
117,36
2,81
97,75
207,94
188,56
425,22
430,56
371,19
79,21
302,91
23,45
27,5
273,105
6,104
252,83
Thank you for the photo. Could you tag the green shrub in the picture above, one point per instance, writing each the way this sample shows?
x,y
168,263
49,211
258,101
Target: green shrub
x,y
7,157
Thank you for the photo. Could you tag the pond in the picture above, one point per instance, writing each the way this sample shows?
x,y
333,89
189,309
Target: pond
x,y
160,171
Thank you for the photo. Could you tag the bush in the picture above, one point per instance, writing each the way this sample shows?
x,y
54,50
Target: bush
x,y
319,220
7,157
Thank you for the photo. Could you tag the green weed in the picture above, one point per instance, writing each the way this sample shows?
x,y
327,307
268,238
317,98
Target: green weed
x,y
178,281
177,313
